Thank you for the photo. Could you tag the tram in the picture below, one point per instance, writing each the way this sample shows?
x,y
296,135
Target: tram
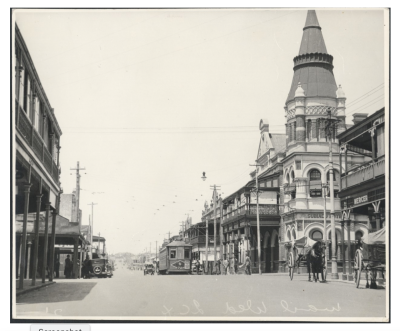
x,y
176,257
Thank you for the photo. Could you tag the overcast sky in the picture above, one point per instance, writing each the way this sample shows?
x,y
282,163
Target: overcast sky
x,y
149,99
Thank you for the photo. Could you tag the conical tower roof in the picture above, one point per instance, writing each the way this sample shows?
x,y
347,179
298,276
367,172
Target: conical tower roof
x,y
313,67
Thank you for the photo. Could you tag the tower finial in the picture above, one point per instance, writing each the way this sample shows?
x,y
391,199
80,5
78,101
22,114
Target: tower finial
x,y
311,20
299,91
339,92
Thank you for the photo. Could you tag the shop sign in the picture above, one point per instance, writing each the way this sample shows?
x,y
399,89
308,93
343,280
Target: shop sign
x,y
362,199
316,215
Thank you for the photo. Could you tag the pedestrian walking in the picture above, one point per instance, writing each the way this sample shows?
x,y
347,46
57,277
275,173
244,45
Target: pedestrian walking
x,y
198,266
247,262
86,268
226,265
57,267
236,265
218,267
67,267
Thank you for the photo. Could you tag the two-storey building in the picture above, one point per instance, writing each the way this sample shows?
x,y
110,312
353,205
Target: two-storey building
x,y
196,234
239,217
36,156
362,185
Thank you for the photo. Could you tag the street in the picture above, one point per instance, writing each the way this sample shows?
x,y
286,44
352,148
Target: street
x,y
130,294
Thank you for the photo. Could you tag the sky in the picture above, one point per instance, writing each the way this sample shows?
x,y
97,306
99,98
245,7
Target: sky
x,y
149,99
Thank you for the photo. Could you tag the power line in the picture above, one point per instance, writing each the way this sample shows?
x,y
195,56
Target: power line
x,y
355,101
367,104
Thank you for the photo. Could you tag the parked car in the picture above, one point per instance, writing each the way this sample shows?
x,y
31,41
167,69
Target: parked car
x,y
101,268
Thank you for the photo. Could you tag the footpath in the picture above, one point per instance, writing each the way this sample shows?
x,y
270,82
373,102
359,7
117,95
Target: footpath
x,y
28,287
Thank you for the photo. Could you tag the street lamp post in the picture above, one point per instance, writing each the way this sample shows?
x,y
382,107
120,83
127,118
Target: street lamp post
x,y
324,189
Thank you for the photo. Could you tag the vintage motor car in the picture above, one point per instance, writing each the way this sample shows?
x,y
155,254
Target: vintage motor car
x,y
101,268
148,269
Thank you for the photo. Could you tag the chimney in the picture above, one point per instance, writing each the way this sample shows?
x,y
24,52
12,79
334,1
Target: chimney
x,y
264,126
358,117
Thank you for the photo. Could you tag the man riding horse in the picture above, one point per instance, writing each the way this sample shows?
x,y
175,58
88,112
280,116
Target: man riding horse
x,y
316,261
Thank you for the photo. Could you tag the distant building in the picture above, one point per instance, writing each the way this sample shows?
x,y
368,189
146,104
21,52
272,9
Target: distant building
x,y
196,233
68,206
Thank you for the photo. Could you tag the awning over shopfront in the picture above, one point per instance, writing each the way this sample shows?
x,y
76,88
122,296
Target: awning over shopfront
x,y
375,238
66,231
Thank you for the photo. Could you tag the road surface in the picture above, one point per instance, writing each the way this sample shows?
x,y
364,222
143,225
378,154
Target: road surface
x,y
130,294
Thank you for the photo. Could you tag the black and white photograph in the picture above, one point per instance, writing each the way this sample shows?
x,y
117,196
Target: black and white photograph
x,y
200,164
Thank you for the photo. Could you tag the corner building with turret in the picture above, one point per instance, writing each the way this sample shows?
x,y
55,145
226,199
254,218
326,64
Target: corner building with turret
x,y
302,166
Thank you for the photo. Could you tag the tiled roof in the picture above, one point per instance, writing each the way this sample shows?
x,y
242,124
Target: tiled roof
x,y
315,81
278,141
313,66
312,41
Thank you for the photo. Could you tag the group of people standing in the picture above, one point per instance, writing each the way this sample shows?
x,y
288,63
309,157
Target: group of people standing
x,y
230,266
69,267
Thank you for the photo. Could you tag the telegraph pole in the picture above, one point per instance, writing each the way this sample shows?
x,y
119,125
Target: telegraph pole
x,y
98,244
258,222
78,193
214,188
91,231
183,229
330,126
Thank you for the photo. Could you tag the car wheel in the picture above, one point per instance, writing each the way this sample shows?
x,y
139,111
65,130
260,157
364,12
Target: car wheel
x,y
97,270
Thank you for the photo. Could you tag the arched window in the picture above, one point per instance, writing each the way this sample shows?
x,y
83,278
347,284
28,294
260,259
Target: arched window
x,y
335,175
287,178
288,235
292,174
316,235
315,174
294,234
315,183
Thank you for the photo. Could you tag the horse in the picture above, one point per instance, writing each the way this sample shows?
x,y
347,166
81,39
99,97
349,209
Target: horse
x,y
316,261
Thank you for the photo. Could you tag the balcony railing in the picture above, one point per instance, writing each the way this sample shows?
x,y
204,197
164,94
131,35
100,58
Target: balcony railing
x,y
251,209
364,172
202,240
37,144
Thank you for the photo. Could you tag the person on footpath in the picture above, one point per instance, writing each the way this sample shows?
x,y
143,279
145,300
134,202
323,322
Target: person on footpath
x,y
86,268
57,267
226,266
67,267
236,265
218,267
197,266
247,263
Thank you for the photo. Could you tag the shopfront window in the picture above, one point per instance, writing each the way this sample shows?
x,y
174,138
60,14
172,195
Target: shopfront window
x,y
187,253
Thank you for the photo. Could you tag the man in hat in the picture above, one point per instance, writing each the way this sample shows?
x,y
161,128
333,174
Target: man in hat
x,y
67,267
